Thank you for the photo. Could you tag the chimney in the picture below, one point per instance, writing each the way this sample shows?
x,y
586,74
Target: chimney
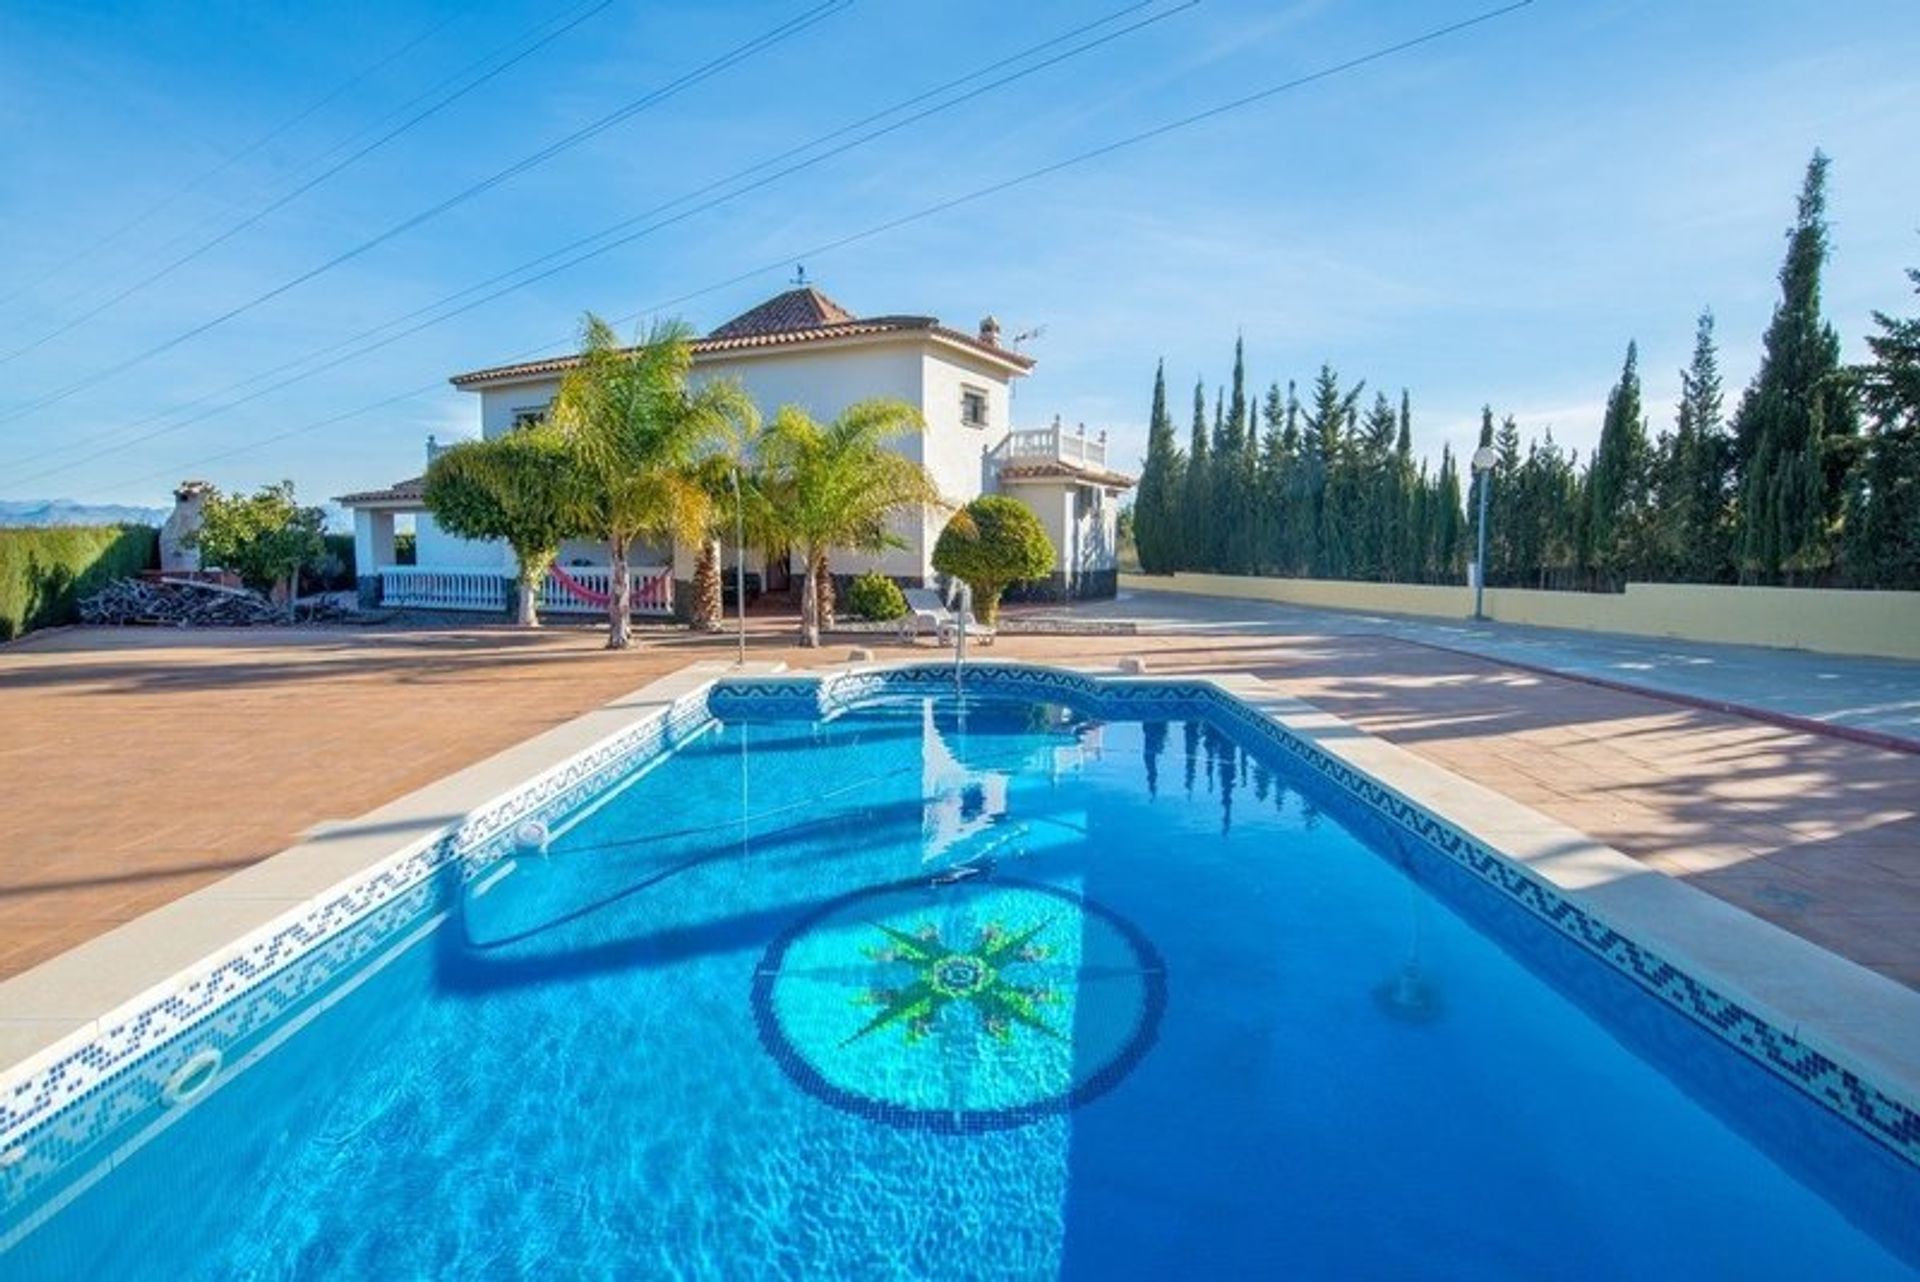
x,y
177,552
433,450
990,332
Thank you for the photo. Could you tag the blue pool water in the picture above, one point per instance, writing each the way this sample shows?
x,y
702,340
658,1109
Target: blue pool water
x,y
982,988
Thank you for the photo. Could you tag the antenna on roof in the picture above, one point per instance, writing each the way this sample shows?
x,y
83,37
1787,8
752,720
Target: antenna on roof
x,y
799,274
1038,331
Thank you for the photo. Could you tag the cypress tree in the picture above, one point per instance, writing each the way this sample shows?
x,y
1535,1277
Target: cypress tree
x,y
1503,505
1448,522
1883,520
1694,501
1617,481
1196,506
1791,433
1326,444
1156,520
1234,501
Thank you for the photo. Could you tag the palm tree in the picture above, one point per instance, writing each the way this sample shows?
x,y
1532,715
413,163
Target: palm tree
x,y
637,435
834,485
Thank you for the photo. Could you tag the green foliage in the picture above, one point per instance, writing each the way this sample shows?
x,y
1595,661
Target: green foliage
x,y
824,487
1793,431
44,572
521,488
1792,489
637,438
1157,503
263,537
875,597
993,543
1617,489
1883,501
336,569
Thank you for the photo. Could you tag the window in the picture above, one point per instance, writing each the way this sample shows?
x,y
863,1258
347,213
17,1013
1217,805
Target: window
x,y
531,417
973,406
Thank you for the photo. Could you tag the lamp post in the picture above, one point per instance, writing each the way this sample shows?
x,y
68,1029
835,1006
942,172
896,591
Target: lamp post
x,y
1484,461
739,561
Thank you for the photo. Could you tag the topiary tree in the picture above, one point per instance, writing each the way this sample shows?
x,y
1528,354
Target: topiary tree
x,y
517,488
992,543
265,538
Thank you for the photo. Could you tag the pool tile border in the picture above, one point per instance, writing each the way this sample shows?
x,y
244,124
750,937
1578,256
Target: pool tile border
x,y
1843,1036
273,917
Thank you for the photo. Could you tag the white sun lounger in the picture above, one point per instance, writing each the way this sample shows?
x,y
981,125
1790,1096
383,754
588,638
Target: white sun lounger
x,y
924,607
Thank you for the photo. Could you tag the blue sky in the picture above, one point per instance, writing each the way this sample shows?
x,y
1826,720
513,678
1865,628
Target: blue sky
x,y
1489,217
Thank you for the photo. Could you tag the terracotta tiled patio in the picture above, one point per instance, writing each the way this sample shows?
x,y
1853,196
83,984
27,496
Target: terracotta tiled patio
x,y
139,765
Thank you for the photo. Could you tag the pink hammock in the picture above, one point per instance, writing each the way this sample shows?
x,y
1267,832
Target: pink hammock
x,y
650,593
578,588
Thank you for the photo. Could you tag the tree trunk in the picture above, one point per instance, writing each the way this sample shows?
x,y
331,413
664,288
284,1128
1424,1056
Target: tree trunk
x,y
823,586
525,612
810,606
708,599
619,598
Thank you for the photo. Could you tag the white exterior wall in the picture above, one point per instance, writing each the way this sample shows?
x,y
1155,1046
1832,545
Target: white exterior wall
x,y
1053,504
433,546
955,452
824,380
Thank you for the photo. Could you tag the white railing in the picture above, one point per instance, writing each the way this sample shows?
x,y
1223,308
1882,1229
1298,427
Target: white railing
x,y
652,589
423,587
1054,445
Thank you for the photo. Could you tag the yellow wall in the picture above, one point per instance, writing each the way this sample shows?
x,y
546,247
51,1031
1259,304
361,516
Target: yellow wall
x,y
1821,619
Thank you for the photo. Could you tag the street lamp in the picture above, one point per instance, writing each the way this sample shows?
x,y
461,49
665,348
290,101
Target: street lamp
x,y
1485,459
739,561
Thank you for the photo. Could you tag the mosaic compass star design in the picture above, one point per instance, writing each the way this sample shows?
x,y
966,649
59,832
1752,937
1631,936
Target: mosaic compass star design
x,y
962,1008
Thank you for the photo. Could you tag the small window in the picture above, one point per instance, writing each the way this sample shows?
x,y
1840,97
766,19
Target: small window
x,y
531,417
973,406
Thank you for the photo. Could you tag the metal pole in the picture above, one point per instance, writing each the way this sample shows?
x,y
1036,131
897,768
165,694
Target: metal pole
x,y
1480,563
740,566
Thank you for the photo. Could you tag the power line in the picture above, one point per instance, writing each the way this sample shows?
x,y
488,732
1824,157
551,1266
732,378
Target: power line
x,y
928,211
714,67
508,275
276,204
194,184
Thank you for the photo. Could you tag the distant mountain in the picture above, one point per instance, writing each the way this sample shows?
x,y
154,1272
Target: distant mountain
x,y
67,512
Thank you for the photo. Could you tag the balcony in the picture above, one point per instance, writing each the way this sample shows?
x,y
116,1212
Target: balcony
x,y
1054,444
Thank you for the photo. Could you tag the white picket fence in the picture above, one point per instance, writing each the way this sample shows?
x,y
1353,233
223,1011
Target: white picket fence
x,y
424,587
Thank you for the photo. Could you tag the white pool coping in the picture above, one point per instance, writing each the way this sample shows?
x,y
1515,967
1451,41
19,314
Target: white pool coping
x,y
1865,1022
55,1006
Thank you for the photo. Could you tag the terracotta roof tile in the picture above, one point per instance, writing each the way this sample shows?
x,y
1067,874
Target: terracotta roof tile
x,y
1060,469
400,491
797,309
795,317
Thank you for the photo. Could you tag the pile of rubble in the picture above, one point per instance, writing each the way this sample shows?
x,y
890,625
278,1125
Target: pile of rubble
x,y
183,603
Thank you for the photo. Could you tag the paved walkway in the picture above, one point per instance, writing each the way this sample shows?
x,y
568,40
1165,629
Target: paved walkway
x,y
142,764
1878,696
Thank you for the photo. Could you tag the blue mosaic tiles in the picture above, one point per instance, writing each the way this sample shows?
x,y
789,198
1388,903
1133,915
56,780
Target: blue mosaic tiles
x,y
51,1111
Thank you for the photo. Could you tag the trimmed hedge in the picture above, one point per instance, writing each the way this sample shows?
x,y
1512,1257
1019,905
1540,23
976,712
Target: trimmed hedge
x,y
876,598
45,572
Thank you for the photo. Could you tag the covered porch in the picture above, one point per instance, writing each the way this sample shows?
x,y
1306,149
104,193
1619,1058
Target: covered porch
x,y
464,576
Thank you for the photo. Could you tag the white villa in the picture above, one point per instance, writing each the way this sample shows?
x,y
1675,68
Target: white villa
x,y
798,348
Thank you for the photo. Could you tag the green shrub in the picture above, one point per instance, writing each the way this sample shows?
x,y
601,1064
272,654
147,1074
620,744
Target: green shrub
x,y
992,543
875,597
44,572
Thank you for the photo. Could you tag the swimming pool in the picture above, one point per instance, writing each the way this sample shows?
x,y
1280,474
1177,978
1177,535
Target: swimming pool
x,y
1051,978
